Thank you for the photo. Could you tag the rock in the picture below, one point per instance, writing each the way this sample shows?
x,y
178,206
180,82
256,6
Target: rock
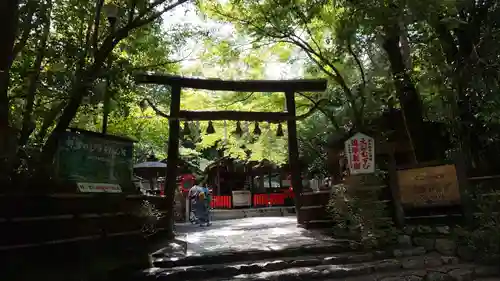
x,y
335,260
424,229
305,263
387,265
445,246
397,253
438,276
228,271
409,229
249,269
413,263
427,243
466,253
404,240
360,258
449,260
443,229
412,278
487,271
392,278
461,274
401,278
275,265
417,251
433,261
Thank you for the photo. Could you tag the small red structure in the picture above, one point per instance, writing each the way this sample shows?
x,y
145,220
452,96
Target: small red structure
x,y
263,184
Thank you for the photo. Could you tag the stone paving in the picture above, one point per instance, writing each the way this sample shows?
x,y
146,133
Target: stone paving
x,y
256,233
274,248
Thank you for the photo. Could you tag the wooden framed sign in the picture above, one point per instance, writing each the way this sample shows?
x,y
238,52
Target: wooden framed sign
x,y
360,153
429,186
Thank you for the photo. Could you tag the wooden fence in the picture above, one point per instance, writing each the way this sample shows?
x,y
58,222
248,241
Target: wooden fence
x,y
457,203
33,221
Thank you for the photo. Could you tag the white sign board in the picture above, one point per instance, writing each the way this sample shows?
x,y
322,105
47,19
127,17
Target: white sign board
x,y
242,198
360,153
99,187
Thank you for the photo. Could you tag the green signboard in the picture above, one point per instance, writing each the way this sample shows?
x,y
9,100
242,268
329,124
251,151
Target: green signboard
x,y
93,158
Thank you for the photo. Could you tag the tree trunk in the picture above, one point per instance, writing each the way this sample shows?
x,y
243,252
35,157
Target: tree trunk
x,y
408,95
67,116
9,17
457,51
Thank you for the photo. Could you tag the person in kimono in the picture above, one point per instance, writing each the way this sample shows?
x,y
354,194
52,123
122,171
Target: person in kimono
x,y
199,197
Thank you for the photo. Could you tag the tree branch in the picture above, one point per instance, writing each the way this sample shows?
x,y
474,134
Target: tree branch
x,y
25,34
358,62
240,100
113,39
362,73
131,12
97,22
91,73
28,127
321,109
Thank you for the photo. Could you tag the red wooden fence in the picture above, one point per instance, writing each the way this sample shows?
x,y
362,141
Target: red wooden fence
x,y
273,199
221,202
259,200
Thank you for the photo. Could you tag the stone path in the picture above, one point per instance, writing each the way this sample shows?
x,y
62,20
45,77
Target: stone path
x,y
257,233
276,249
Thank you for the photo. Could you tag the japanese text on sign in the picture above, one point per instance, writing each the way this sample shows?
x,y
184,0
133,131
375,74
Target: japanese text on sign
x,y
429,186
360,153
75,143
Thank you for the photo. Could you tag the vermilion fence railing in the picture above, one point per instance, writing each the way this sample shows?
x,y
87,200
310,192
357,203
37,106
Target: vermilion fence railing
x,y
273,199
259,200
221,202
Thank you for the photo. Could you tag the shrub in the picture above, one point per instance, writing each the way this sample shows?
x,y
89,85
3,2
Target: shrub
x,y
361,216
484,237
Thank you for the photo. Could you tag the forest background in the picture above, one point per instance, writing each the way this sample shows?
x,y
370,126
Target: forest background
x,y
434,60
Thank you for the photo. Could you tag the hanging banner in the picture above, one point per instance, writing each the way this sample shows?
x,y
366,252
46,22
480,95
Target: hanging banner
x,y
360,153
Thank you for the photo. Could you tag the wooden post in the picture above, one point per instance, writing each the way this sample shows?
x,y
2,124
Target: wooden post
x,y
293,151
173,155
399,216
463,183
269,191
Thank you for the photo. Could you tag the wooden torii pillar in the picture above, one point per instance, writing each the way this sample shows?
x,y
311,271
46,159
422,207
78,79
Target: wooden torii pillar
x,y
289,87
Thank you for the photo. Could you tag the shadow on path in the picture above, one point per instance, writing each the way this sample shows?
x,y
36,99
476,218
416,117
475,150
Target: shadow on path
x,y
242,235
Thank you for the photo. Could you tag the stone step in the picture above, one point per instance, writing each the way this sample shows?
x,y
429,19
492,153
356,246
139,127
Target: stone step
x,y
451,272
428,268
272,265
161,261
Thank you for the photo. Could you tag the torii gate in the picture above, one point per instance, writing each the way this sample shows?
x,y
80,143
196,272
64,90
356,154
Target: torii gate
x,y
289,87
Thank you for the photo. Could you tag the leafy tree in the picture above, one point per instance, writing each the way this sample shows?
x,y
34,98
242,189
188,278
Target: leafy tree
x,y
67,47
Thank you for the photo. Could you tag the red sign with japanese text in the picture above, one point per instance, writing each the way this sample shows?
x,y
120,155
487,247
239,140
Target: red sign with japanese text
x,y
360,153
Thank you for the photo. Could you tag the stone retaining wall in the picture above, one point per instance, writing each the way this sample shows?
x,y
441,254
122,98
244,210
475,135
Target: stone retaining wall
x,y
442,239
